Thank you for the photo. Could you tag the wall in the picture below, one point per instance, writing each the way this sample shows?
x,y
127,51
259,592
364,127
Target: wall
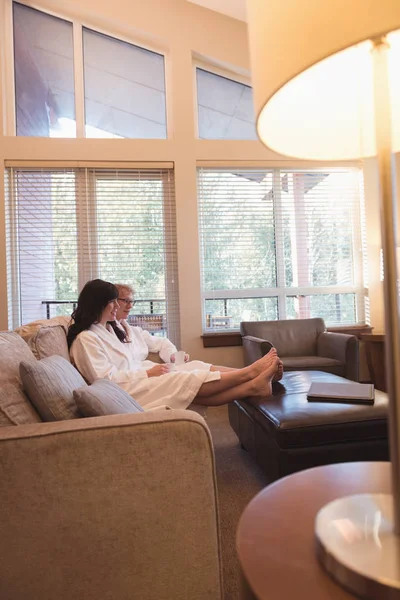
x,y
181,30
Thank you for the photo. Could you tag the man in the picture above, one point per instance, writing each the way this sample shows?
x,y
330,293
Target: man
x,y
142,342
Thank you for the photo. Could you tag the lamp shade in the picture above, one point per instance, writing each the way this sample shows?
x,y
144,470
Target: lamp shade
x,y
312,74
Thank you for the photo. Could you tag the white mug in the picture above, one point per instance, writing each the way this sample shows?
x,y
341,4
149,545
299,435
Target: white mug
x,y
180,357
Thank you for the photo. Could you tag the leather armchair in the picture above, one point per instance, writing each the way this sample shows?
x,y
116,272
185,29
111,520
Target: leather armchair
x,y
303,345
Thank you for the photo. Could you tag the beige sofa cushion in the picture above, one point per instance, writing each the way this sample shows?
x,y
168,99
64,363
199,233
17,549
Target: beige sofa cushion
x,y
47,337
15,408
50,384
104,397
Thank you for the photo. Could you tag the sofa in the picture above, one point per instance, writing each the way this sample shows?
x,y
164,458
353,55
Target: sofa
x,y
110,507
303,345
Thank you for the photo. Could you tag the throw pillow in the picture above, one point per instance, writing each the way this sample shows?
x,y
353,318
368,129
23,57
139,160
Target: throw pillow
x,y
49,384
104,397
15,408
47,337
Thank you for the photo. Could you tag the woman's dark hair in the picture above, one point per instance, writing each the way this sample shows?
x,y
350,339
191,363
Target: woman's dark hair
x,y
93,299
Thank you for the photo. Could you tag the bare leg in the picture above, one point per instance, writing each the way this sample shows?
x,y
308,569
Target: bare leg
x,y
235,377
277,376
251,371
260,387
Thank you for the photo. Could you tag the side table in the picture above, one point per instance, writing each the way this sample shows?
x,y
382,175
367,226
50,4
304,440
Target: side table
x,y
275,537
375,355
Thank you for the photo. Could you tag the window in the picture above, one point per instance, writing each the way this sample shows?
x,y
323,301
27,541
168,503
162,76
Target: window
x,y
280,244
124,89
67,226
225,108
124,85
44,74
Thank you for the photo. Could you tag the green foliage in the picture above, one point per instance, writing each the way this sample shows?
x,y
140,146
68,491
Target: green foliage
x,y
131,234
128,226
254,238
255,235
238,235
64,233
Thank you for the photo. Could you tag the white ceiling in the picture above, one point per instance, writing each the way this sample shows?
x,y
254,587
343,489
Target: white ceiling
x,y
232,8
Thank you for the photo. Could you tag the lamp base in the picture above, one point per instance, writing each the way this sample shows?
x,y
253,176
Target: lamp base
x,y
357,545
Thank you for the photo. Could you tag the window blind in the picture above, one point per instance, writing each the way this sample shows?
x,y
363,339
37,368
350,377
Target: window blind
x,y
67,226
280,244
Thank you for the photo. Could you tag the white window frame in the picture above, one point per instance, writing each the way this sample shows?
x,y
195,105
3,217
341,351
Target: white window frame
x,y
85,211
77,31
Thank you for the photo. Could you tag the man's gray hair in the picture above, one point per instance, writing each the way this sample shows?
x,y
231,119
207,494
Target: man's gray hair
x,y
124,287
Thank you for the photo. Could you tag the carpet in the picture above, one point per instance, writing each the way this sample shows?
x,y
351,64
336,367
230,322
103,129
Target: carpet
x,y
239,479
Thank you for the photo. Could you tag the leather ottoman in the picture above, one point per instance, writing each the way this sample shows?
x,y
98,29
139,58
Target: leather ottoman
x,y
286,433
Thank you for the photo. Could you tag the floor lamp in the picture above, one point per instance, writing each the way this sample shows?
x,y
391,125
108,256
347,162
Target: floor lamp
x,y
326,84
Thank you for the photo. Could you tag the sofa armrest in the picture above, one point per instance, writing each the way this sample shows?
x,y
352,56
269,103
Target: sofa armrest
x,y
254,348
342,347
112,507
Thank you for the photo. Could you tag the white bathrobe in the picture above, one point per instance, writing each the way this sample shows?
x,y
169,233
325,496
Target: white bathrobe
x,y
97,353
142,342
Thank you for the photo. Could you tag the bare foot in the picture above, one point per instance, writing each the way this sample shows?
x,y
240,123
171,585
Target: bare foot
x,y
279,372
262,386
263,382
263,363
272,366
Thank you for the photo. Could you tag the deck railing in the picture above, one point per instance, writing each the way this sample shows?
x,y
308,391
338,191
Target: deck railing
x,y
153,320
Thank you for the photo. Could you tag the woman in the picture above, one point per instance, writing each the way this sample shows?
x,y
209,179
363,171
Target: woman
x,y
99,349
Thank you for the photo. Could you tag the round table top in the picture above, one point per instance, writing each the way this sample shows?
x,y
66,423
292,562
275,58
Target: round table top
x,y
275,537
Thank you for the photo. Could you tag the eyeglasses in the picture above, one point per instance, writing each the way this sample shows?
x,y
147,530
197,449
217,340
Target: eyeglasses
x,y
127,301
